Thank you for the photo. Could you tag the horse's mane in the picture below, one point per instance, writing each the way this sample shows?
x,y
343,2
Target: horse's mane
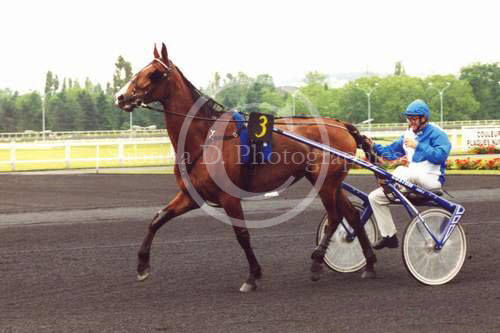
x,y
210,106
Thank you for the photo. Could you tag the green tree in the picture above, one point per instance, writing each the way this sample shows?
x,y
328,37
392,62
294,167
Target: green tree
x,y
393,95
51,83
316,98
484,78
458,98
29,112
353,100
399,70
106,113
67,111
315,77
214,85
234,91
88,116
262,85
57,114
123,73
8,112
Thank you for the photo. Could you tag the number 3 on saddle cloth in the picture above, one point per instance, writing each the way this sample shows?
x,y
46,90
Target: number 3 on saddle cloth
x,y
256,139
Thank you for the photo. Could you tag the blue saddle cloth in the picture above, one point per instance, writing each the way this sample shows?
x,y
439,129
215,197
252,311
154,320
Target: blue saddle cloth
x,y
264,150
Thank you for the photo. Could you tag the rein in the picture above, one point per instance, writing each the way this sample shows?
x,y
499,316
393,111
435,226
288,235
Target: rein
x,y
164,76
145,106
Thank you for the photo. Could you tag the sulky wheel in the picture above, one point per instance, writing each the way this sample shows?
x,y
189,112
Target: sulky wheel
x,y
426,264
344,255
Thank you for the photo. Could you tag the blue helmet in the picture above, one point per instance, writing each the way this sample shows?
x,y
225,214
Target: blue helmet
x,y
417,108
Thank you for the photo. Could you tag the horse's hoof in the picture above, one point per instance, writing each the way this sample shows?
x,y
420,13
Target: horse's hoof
x,y
368,274
318,255
143,276
316,276
248,287
316,271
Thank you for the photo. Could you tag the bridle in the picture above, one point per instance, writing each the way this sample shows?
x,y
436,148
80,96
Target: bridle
x,y
153,81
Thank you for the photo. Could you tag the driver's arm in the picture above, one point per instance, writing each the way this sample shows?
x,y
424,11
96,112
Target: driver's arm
x,y
437,150
390,152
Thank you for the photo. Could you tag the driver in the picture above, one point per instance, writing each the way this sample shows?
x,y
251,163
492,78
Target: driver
x,y
426,147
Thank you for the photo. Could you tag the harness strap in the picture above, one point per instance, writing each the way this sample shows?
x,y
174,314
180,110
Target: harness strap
x,y
145,106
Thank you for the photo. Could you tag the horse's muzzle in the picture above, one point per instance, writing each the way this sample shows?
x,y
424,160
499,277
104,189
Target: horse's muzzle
x,y
127,103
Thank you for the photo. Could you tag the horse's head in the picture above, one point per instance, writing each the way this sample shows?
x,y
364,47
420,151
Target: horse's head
x,y
148,85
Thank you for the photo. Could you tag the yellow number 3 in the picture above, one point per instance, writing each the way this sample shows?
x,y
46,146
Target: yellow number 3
x,y
262,124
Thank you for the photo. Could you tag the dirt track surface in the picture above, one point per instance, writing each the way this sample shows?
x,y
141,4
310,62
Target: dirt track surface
x,y
68,255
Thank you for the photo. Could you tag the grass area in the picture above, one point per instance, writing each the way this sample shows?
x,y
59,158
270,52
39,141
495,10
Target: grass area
x,y
473,172
164,170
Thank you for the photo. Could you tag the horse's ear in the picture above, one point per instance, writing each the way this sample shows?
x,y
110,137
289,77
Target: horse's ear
x,y
155,53
164,54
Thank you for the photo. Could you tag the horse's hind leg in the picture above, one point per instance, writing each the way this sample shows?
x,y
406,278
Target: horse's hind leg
x,y
233,209
179,205
328,198
352,216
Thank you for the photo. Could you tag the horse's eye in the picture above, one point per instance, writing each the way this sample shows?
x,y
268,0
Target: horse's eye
x,y
155,76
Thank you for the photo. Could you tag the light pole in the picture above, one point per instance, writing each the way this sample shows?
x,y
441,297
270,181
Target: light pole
x,y
441,93
43,117
368,93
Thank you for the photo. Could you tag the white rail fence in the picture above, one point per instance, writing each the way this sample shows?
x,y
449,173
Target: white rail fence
x,y
85,154
446,124
122,152
150,132
79,135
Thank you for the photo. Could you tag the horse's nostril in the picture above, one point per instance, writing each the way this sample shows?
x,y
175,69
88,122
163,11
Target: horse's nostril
x,y
120,98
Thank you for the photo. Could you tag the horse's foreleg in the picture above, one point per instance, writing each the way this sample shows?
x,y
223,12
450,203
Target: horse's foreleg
x,y
233,209
180,204
352,216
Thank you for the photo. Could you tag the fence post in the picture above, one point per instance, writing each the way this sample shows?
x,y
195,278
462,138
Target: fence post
x,y
67,155
454,138
121,152
13,155
97,158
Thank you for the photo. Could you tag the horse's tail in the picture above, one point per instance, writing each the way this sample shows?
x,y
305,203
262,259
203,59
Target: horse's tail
x,y
362,142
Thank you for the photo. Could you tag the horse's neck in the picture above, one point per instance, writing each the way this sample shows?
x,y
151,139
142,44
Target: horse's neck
x,y
194,133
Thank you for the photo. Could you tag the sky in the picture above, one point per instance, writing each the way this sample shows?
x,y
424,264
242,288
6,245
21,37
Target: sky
x,y
80,39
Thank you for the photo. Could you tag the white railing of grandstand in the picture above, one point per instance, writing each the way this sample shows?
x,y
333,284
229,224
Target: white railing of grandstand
x,y
446,124
72,135
13,147
145,132
453,134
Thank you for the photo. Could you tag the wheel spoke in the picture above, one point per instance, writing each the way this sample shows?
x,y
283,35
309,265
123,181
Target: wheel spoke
x,y
344,256
421,259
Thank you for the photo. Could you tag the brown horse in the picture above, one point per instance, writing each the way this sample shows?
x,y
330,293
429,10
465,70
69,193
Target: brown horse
x,y
190,118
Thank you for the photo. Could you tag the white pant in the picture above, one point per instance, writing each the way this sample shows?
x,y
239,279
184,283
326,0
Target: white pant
x,y
379,201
